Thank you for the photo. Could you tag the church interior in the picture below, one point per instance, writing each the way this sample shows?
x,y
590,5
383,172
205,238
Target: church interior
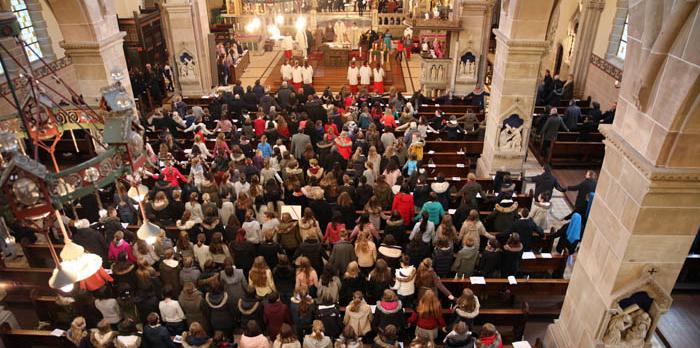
x,y
347,173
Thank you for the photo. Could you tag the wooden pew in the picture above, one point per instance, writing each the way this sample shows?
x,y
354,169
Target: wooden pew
x,y
39,255
576,153
486,183
34,339
454,108
471,147
446,157
33,277
553,267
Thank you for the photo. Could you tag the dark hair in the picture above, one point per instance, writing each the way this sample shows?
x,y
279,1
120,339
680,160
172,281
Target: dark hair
x,y
252,329
152,318
328,274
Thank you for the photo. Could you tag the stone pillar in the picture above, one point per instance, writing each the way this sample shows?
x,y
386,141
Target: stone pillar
x,y
186,29
585,39
91,37
646,209
519,49
41,30
472,38
375,19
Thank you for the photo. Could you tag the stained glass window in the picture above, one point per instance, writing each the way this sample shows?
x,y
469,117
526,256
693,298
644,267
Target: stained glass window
x,y
27,33
622,48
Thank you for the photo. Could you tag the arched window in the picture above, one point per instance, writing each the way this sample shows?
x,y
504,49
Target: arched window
x,y
622,47
31,41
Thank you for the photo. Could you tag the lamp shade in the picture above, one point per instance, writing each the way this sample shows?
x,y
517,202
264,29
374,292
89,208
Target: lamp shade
x,y
138,193
8,142
148,232
77,261
62,279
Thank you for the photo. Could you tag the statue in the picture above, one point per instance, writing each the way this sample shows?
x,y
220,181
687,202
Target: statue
x,y
638,332
628,327
187,63
616,327
510,137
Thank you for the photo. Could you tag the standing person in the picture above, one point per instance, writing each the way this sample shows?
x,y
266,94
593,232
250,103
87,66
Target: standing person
x,y
428,316
365,75
276,315
286,71
358,314
317,338
489,337
171,312
297,76
550,130
353,74
287,46
378,75
584,188
307,72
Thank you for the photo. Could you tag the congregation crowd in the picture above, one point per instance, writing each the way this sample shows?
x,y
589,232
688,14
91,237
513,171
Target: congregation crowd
x,y
310,221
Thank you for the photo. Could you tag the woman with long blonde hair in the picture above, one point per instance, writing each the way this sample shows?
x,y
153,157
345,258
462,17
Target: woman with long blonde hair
x,y
317,338
428,316
467,308
358,314
366,252
260,277
306,275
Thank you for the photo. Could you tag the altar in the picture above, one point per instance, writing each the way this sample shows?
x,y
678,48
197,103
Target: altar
x,y
336,55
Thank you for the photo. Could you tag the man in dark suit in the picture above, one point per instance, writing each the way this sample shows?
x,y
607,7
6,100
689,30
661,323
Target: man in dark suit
x,y
525,227
545,182
584,188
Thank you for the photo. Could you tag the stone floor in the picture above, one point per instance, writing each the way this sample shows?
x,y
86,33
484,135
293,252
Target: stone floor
x,y
260,67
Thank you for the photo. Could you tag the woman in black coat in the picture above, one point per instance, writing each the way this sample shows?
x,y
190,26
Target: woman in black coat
x,y
512,254
389,311
490,261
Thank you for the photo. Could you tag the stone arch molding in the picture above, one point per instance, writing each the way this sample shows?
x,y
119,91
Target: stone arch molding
x,y
632,325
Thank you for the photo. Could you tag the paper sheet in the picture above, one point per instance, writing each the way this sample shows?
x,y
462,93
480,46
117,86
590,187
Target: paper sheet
x,y
293,210
522,344
373,308
512,281
478,195
431,152
546,255
125,224
177,339
57,332
451,211
477,280
460,165
529,255
430,165
456,178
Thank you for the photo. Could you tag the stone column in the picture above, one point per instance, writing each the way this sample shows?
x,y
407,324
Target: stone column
x,y
186,29
40,29
585,39
646,209
91,37
472,38
519,49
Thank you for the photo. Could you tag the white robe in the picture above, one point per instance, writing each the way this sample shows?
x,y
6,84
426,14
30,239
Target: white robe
x,y
354,36
353,73
287,43
340,31
302,42
378,74
297,75
307,74
365,75
286,71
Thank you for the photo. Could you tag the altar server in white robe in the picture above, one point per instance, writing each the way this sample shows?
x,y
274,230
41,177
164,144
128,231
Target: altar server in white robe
x,y
302,42
287,46
365,75
297,76
286,71
353,74
307,73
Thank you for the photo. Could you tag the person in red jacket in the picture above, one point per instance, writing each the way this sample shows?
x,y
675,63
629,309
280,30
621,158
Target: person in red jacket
x,y
428,316
403,202
172,175
275,314
259,125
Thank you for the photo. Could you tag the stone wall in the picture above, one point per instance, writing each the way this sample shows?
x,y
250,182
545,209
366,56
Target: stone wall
x,y
600,85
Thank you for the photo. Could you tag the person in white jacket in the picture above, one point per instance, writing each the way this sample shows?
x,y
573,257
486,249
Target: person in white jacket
x,y
353,74
365,75
287,45
307,73
405,281
297,76
286,71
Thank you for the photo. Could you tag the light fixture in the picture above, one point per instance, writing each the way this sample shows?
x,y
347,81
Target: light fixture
x,y
274,32
253,25
300,23
62,279
74,258
8,142
148,232
26,191
138,193
279,19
